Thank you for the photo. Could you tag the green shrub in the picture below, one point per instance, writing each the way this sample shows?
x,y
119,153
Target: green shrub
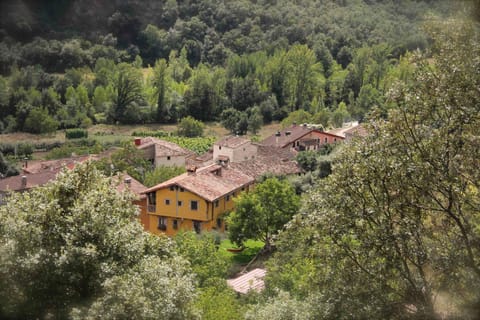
x,y
24,149
76,133
157,134
47,146
190,127
7,148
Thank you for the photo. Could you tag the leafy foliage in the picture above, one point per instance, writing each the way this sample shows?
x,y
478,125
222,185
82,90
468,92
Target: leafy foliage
x,y
281,307
80,247
76,133
160,174
190,128
202,253
261,213
198,144
7,169
326,58
395,225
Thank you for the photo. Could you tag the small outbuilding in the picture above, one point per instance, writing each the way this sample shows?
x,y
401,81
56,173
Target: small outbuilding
x,y
252,280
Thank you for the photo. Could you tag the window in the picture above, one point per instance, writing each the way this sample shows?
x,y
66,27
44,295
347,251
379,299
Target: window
x,y
197,226
152,201
219,223
167,202
162,223
179,203
168,157
151,198
326,139
194,205
175,224
217,203
182,190
243,188
172,188
219,147
335,139
228,198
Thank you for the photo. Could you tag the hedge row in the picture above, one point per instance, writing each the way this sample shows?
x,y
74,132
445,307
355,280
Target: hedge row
x,y
76,133
157,134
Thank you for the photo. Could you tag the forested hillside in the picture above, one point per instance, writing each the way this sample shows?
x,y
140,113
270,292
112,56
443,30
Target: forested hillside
x,y
76,63
383,226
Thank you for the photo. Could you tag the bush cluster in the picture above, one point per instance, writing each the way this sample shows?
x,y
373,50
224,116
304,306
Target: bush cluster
x,y
76,133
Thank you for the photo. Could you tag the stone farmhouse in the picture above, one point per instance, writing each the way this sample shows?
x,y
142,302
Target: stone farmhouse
x,y
163,153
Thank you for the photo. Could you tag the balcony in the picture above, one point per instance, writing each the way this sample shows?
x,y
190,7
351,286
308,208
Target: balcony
x,y
151,208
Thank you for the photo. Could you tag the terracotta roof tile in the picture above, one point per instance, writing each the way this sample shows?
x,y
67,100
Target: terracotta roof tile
x,y
252,280
210,183
32,180
276,161
358,131
354,129
201,160
134,185
232,141
287,136
36,166
164,148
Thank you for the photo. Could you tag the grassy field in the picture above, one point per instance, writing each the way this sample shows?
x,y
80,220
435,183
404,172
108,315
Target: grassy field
x,y
241,259
111,133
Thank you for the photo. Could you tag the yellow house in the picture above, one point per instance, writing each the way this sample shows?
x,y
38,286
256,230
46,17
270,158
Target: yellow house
x,y
195,200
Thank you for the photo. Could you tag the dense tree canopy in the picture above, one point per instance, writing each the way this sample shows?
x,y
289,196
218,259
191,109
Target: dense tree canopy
x,y
393,231
75,246
260,213
207,57
388,226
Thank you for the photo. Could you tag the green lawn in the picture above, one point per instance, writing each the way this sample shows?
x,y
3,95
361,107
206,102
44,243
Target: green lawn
x,y
252,247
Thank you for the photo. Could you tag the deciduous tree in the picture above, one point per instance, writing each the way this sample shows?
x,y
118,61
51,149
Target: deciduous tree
x,y
395,227
76,243
261,213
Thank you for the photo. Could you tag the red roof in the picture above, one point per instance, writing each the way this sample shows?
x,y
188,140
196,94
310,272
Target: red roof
x,y
289,135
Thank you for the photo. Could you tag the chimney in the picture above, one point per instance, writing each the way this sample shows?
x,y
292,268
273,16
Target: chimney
x,y
138,141
128,181
24,182
276,136
288,133
191,170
